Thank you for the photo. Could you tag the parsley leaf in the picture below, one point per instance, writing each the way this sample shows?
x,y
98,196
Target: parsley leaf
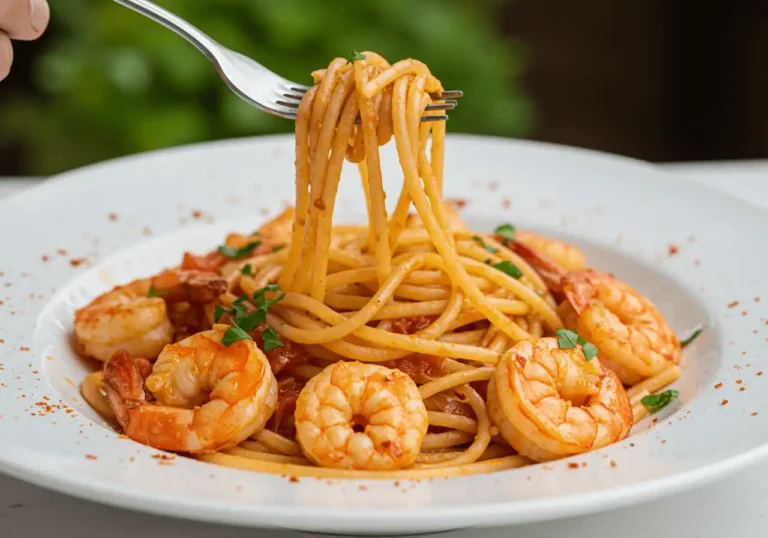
x,y
656,402
260,299
508,268
693,336
249,322
590,350
246,270
218,312
271,340
566,339
354,56
570,339
507,231
234,334
241,252
489,248
156,293
277,248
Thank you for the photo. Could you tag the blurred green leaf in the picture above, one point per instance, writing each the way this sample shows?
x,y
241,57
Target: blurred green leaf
x,y
112,82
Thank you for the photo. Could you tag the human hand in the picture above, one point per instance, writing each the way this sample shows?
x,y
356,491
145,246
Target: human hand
x,y
20,19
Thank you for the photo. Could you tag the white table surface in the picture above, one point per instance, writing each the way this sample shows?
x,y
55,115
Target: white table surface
x,y
734,507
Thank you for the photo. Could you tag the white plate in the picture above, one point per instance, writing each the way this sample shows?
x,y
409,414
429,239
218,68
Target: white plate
x,y
77,235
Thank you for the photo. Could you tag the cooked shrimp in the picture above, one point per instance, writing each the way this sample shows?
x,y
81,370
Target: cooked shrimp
x,y
550,403
124,318
127,318
564,254
634,339
208,396
361,416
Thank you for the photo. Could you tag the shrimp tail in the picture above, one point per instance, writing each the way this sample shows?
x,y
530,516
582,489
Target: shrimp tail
x,y
123,382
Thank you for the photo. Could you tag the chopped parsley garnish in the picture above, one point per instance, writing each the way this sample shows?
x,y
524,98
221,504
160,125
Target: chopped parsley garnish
x,y
246,270
508,268
271,340
656,402
693,336
489,248
355,56
244,319
231,252
570,339
590,350
507,231
156,293
277,248
233,334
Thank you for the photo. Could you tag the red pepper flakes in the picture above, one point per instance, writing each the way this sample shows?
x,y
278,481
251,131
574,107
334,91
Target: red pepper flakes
x,y
397,483
753,414
91,457
77,262
62,251
757,299
663,442
362,487
45,257
724,402
573,465
166,457
293,479
23,348
672,249
742,389
614,464
196,213
719,386
655,420
584,463
112,216
739,381
2,341
733,304
759,373
744,313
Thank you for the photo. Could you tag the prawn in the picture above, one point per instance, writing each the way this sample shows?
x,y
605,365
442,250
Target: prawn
x,y
564,254
634,339
200,395
550,403
127,318
361,416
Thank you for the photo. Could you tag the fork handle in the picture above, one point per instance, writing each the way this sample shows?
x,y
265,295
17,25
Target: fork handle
x,y
203,42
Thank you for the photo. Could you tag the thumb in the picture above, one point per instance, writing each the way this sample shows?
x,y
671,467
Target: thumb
x,y
24,19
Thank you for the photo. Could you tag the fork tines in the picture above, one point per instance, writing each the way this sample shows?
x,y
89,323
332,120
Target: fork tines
x,y
290,96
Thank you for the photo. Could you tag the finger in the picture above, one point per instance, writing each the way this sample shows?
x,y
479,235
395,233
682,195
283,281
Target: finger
x,y
24,19
6,55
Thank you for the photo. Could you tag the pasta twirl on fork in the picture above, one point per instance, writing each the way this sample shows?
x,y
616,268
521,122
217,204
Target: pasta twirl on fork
x,y
406,347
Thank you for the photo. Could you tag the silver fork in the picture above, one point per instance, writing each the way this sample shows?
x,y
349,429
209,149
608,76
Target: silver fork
x,y
250,80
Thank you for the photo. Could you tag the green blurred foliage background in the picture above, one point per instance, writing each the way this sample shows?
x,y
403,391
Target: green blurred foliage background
x,y
110,82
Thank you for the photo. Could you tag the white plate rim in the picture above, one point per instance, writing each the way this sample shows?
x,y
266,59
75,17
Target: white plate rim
x,y
322,518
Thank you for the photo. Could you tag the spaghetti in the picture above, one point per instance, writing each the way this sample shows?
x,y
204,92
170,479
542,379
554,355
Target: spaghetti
x,y
408,347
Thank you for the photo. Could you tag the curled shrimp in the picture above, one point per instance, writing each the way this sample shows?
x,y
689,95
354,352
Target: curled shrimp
x,y
127,318
550,403
124,318
199,396
564,254
361,416
634,339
